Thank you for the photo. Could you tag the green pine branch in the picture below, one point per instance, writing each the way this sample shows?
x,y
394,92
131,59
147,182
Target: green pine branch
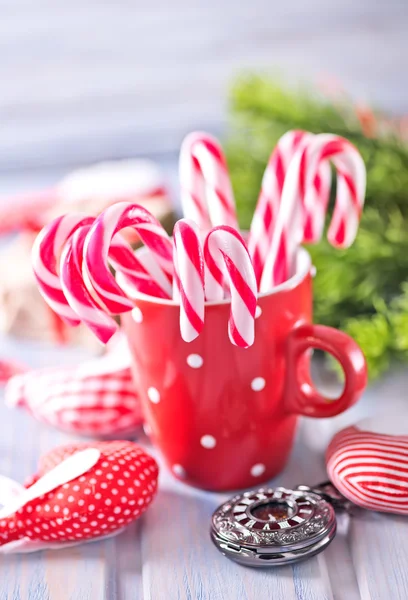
x,y
361,290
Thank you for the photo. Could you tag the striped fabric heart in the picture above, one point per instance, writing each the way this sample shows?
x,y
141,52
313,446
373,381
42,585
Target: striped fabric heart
x,y
97,398
370,468
82,492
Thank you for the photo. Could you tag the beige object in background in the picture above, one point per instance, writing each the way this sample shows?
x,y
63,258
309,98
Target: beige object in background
x,y
94,188
23,312
89,190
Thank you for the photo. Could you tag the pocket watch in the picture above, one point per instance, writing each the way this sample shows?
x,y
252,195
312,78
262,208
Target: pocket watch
x,y
277,526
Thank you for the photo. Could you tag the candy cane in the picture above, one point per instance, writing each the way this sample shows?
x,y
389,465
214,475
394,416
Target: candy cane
x,y
292,216
46,254
76,291
225,252
206,192
46,251
188,282
264,219
147,278
99,240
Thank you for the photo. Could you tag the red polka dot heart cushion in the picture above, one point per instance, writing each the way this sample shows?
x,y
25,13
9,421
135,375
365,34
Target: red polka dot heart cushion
x,y
81,492
368,463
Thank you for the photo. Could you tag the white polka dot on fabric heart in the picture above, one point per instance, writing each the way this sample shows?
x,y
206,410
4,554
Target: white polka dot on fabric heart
x,y
137,315
257,470
208,441
258,384
153,395
147,429
178,470
195,361
258,312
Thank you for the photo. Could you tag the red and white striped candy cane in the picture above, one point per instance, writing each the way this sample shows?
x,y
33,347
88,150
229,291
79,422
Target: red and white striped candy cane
x,y
206,192
45,260
146,276
77,293
99,241
293,215
188,282
264,219
60,295
226,254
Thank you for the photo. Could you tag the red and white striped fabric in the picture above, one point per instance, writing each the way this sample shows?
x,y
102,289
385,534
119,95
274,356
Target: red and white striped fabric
x,y
97,398
370,469
227,260
82,492
264,219
188,281
206,192
9,368
294,217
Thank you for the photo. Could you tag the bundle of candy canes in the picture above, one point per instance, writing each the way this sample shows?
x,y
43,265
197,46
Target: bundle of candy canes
x,y
208,259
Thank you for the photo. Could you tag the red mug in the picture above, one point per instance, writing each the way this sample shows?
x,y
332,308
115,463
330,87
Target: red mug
x,y
225,417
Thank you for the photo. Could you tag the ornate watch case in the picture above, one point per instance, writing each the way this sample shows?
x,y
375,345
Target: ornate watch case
x,y
274,526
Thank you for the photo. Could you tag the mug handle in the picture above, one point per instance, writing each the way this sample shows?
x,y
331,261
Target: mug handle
x,y
300,394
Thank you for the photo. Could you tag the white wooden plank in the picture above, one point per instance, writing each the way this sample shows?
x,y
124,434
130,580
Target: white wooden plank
x,y
169,553
62,102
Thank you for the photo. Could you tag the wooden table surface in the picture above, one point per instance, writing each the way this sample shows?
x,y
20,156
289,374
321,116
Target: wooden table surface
x,y
168,554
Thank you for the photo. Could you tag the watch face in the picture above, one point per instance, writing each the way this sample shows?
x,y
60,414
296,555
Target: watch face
x,y
272,510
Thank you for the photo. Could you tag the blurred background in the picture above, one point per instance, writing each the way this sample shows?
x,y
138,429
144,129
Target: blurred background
x,y
84,81
90,81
